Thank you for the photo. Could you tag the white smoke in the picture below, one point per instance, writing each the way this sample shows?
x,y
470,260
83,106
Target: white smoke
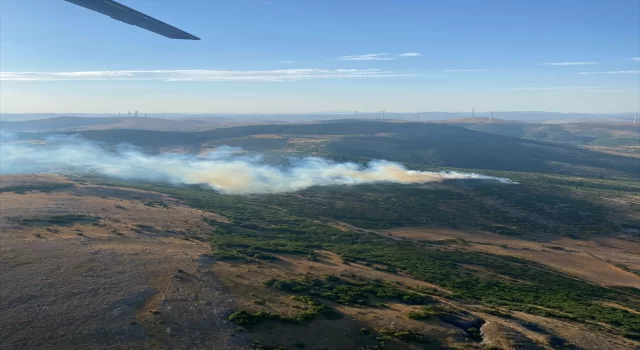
x,y
222,170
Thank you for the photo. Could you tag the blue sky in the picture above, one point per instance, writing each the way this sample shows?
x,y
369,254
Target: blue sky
x,y
323,55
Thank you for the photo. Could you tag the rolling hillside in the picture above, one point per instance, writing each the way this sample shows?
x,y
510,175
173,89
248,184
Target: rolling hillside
x,y
578,133
66,123
551,262
419,144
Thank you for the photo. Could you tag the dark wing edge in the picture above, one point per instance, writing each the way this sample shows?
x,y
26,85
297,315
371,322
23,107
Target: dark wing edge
x,y
128,15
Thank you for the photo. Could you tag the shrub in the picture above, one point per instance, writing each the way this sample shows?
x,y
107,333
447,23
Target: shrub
x,y
263,256
244,318
425,312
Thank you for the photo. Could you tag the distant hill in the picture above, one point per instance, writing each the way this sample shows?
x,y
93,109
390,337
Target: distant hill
x,y
579,133
529,116
57,123
67,123
413,143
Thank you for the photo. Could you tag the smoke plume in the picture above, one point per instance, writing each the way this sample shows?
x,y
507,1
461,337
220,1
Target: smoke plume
x,y
225,170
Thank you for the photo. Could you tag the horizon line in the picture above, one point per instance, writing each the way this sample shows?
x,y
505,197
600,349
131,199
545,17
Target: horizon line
x,y
311,113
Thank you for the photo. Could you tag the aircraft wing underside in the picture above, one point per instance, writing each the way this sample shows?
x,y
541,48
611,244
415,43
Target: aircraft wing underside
x,y
130,16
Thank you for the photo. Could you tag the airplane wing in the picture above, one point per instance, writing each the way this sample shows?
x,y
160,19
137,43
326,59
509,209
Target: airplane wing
x,y
130,16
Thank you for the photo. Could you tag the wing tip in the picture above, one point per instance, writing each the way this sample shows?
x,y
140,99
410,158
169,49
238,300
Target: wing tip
x,y
184,37
127,15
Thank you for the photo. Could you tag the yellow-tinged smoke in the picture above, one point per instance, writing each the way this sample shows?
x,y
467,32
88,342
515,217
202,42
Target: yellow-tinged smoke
x,y
222,170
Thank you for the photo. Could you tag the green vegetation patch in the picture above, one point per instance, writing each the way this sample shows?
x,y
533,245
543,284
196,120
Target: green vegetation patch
x,y
403,335
310,309
539,204
40,187
279,224
426,312
156,204
349,293
247,319
313,308
61,220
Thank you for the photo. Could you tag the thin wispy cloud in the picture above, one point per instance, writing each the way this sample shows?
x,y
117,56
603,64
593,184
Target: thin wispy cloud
x,y
570,63
378,56
569,89
614,72
286,62
546,88
463,70
204,75
368,57
409,54
634,58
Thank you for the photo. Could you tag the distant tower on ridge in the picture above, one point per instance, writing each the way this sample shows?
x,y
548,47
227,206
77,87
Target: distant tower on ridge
x,y
473,112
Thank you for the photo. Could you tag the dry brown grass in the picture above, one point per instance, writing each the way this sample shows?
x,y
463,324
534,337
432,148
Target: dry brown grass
x,y
313,139
105,284
120,209
175,299
82,286
582,336
591,260
267,136
21,180
627,151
